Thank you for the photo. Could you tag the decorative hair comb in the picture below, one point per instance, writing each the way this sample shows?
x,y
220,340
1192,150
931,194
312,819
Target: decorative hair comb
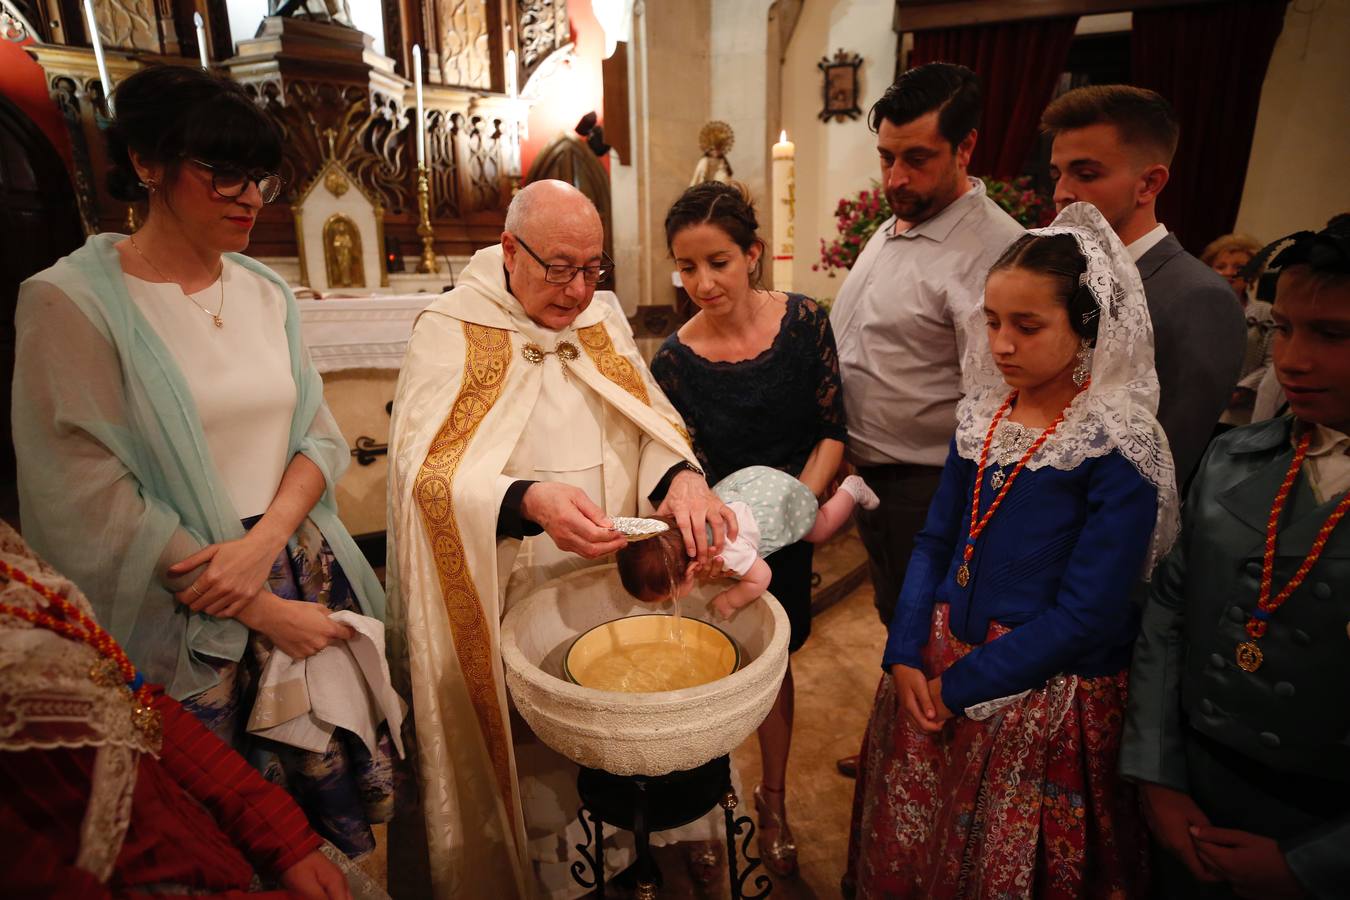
x,y
636,528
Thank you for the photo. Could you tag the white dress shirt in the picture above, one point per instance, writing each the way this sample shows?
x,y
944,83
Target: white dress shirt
x,y
1146,242
897,324
1328,463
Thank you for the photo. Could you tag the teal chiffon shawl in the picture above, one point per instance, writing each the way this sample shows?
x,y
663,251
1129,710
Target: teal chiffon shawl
x,y
114,473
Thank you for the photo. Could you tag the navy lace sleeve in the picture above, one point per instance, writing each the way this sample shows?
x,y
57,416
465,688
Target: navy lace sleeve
x,y
771,410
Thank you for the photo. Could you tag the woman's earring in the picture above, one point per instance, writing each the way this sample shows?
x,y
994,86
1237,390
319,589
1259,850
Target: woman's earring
x,y
1083,371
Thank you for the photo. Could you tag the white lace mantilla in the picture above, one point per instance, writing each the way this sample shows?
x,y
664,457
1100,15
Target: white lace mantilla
x,y
1118,411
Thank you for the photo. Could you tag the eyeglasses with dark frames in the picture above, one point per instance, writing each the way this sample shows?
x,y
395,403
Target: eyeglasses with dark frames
x,y
560,273
231,181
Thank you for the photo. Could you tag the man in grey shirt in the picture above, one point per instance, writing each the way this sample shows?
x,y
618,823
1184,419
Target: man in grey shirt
x,y
1111,147
899,315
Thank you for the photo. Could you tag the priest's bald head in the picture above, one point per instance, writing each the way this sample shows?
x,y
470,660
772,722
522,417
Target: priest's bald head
x,y
553,249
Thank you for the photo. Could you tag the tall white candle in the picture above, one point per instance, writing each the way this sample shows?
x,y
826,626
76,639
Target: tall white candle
x,y
784,211
92,24
421,118
513,129
201,39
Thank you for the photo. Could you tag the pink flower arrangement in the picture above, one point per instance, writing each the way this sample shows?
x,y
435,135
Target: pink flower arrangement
x,y
1020,200
858,217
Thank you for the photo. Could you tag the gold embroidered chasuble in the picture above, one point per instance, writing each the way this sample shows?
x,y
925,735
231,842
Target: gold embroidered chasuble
x,y
466,395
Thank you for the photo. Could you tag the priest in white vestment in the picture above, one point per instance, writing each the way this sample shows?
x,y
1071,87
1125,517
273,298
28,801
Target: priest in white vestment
x,y
522,408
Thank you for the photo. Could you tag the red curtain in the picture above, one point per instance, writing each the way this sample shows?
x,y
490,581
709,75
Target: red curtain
x,y
1018,64
1210,61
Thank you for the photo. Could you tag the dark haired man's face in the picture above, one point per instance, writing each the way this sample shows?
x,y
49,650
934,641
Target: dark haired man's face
x,y
921,173
1311,349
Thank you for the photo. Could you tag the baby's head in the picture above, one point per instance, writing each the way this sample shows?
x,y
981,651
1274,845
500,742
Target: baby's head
x,y
648,567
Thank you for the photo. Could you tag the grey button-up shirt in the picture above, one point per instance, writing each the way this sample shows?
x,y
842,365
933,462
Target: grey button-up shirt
x,y
897,326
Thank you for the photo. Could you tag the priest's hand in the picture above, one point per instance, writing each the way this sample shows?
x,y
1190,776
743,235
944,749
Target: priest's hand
x,y
696,509
568,516
1252,864
1173,816
315,878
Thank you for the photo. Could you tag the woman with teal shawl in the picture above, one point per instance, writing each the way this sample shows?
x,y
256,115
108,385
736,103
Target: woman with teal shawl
x,y
118,487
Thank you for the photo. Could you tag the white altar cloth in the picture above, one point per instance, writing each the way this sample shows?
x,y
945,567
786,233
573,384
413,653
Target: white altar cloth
x,y
368,332
360,332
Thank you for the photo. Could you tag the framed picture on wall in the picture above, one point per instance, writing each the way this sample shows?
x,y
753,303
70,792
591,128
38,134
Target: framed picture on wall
x,y
841,86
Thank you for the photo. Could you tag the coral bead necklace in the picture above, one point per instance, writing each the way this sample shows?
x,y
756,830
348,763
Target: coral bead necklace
x,y
1249,655
113,670
978,522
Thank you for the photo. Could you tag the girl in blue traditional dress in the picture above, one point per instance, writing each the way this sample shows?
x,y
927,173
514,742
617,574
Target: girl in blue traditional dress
x,y
175,456
989,764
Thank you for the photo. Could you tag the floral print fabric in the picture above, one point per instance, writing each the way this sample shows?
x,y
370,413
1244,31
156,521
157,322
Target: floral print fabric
x,y
1026,803
344,789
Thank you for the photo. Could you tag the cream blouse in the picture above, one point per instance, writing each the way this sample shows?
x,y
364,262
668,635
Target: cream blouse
x,y
239,374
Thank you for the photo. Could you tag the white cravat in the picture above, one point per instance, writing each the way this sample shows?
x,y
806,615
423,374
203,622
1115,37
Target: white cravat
x,y
563,442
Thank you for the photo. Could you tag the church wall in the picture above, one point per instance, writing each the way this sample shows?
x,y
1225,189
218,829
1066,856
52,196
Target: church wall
x,y
670,100
739,92
1297,177
833,158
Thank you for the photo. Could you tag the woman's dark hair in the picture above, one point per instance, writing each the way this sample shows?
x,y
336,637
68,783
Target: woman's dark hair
x,y
646,568
1058,257
727,206
951,89
168,113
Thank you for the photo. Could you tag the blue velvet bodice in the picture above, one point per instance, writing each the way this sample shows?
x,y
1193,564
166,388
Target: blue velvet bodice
x,y
1057,563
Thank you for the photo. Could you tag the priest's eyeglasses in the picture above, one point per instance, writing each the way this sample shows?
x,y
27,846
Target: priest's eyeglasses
x,y
231,181
559,273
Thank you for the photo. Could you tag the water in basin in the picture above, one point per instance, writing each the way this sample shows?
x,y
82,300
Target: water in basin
x,y
649,653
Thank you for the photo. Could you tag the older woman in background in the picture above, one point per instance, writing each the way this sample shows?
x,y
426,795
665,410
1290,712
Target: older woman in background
x,y
1229,256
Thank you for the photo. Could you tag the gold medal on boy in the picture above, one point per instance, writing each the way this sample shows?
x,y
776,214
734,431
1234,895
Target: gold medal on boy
x,y
1249,656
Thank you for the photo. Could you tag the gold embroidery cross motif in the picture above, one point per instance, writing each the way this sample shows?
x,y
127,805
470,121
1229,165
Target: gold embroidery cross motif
x,y
566,351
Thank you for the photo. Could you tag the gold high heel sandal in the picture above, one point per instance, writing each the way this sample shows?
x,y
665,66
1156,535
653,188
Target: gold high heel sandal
x,y
779,852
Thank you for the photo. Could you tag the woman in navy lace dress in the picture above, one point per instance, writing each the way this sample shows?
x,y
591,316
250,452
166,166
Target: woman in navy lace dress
x,y
755,376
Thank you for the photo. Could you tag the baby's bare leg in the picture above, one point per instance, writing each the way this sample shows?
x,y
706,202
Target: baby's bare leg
x,y
834,512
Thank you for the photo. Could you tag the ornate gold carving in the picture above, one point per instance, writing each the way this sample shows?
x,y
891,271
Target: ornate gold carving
x,y
543,29
322,121
443,163
342,257
482,164
130,24
336,183
598,346
487,362
462,37
66,94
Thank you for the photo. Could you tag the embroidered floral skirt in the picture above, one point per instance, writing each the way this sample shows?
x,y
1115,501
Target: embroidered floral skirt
x,y
344,789
1024,804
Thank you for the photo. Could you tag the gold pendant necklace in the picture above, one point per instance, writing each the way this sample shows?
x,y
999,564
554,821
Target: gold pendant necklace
x,y
216,316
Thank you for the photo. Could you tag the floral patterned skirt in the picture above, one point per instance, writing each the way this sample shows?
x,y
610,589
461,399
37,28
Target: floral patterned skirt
x,y
1026,803
344,789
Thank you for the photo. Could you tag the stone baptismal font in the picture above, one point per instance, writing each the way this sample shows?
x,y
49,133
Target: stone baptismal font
x,y
651,760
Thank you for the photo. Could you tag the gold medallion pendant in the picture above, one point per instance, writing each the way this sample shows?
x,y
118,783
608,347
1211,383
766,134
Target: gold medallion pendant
x,y
963,575
1249,656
